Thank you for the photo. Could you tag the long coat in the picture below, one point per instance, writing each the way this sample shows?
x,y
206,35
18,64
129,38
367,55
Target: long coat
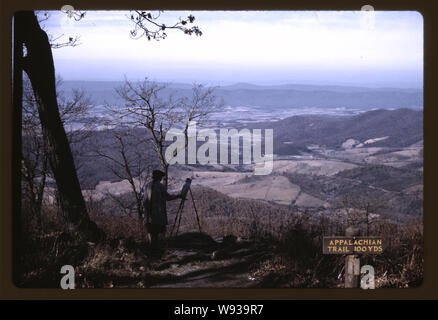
x,y
155,197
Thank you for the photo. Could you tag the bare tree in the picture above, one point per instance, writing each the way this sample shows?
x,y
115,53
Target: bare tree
x,y
361,211
128,159
35,169
75,112
148,106
198,107
34,158
60,40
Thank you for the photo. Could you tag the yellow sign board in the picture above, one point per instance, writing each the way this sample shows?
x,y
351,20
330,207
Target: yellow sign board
x,y
352,245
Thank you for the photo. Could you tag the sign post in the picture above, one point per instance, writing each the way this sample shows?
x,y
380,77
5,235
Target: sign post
x,y
352,245
352,263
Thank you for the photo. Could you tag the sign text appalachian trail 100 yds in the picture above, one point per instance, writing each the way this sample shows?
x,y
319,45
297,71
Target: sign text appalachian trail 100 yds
x,y
352,245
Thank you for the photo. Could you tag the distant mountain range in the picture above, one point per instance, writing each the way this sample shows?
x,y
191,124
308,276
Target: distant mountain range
x,y
275,96
401,128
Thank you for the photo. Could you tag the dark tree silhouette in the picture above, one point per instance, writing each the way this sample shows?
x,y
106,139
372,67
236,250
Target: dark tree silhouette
x,y
34,162
38,65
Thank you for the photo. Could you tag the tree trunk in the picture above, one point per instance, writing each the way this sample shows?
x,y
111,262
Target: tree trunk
x,y
39,66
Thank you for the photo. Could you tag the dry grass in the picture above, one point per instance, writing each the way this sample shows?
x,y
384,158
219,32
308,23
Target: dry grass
x,y
292,241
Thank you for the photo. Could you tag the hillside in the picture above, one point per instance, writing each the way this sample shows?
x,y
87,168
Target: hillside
x,y
385,177
401,128
292,136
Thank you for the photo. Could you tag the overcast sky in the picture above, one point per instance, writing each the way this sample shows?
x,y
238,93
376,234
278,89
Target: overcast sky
x,y
321,47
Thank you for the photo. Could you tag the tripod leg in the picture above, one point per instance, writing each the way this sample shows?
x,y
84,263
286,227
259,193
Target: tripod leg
x,y
178,212
196,211
179,221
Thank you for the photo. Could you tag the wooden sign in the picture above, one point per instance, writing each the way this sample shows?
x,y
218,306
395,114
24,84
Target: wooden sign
x,y
352,245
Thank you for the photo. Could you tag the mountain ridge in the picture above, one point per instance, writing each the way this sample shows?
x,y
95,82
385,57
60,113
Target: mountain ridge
x,y
277,96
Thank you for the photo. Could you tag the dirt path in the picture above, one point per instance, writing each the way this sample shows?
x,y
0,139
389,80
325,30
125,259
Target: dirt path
x,y
192,268
190,260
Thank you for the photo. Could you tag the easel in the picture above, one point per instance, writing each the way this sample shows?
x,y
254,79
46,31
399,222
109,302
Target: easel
x,y
186,189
